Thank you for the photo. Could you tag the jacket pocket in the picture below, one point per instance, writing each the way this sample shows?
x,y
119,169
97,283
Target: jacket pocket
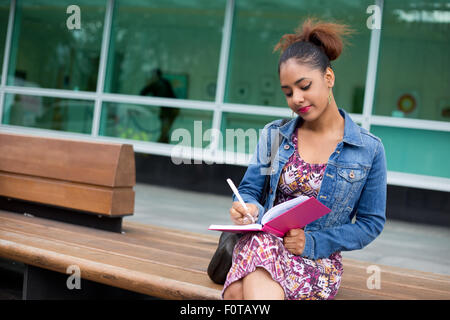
x,y
349,184
352,174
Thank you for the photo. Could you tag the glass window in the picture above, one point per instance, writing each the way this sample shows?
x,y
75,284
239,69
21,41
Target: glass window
x,y
48,113
410,150
414,66
240,132
259,25
156,124
182,39
4,15
46,53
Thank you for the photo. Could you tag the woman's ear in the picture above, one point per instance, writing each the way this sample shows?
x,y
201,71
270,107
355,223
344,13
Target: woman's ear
x,y
329,77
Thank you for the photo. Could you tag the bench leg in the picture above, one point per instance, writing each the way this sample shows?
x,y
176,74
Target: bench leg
x,y
42,284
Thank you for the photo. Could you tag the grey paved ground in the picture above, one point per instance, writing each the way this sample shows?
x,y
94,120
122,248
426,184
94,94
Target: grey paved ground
x,y
401,244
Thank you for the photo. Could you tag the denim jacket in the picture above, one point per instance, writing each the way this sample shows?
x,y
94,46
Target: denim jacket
x,y
353,186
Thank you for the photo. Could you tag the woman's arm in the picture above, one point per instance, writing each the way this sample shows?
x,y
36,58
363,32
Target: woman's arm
x,y
370,217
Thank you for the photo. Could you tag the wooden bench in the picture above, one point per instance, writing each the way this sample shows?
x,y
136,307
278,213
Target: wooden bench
x,y
145,259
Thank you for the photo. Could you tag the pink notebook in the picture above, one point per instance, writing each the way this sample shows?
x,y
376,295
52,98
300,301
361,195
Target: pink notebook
x,y
292,214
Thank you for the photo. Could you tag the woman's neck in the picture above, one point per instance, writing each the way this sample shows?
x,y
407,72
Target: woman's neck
x,y
330,121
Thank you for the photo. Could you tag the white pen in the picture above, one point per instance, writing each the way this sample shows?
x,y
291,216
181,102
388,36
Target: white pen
x,y
236,193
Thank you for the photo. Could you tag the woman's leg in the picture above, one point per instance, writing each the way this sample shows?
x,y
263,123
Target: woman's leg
x,y
259,285
234,291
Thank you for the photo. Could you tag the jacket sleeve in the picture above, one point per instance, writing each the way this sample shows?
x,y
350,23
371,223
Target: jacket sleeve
x,y
252,183
370,217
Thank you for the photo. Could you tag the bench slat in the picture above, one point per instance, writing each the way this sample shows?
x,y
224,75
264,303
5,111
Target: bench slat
x,y
90,198
144,233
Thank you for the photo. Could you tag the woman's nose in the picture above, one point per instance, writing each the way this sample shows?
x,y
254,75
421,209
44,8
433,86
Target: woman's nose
x,y
298,97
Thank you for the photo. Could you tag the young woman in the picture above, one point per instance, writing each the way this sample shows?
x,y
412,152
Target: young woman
x,y
322,154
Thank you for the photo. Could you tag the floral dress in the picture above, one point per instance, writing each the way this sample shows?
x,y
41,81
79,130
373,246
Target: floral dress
x,y
301,278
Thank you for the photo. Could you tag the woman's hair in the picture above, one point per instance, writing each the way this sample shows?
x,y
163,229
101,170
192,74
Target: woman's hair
x,y
315,43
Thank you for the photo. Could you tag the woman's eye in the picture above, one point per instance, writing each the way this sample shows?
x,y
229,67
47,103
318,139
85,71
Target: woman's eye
x,y
303,88
306,87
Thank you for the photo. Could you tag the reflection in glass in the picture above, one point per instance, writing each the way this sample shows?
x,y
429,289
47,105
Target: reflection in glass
x,y
259,25
414,67
158,86
46,53
48,113
139,122
181,38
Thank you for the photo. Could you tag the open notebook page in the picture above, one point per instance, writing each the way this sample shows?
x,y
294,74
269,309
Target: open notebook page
x,y
281,208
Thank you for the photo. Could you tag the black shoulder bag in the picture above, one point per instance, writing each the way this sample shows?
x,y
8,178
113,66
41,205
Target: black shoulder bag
x,y
221,261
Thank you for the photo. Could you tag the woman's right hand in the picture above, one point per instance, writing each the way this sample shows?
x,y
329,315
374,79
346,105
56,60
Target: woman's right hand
x,y
238,213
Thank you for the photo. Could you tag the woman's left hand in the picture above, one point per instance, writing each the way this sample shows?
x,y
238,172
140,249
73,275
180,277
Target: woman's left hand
x,y
294,241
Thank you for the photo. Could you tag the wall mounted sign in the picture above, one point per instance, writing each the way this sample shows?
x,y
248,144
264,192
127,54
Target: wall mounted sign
x,y
406,103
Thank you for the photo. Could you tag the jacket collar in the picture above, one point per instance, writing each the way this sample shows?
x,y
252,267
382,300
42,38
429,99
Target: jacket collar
x,y
352,132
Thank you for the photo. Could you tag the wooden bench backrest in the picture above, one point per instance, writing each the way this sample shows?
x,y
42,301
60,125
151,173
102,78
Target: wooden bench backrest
x,y
95,177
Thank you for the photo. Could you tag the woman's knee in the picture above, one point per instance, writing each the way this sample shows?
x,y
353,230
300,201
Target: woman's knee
x,y
260,285
234,291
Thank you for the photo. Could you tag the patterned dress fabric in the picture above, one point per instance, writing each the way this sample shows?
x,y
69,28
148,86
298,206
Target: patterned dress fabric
x,y
300,278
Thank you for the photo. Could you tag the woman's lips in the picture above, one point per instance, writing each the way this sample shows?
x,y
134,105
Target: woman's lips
x,y
304,109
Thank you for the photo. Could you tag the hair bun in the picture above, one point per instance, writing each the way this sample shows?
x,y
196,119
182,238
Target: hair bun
x,y
327,36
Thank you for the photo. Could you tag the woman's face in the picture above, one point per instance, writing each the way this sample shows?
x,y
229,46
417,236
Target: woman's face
x,y
306,89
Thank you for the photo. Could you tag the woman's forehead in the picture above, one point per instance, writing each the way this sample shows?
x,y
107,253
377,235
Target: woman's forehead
x,y
294,71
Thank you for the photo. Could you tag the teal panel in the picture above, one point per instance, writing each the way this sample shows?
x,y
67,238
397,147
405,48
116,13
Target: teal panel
x,y
416,151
